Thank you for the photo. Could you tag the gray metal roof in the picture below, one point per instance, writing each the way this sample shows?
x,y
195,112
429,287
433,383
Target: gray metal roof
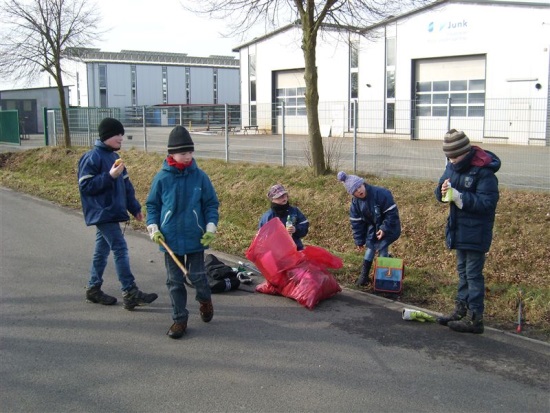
x,y
89,55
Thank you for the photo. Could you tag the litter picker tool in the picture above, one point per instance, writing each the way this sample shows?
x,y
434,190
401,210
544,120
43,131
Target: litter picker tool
x,y
176,260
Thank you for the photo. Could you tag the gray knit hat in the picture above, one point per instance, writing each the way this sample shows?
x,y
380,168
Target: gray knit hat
x,y
351,182
180,141
455,143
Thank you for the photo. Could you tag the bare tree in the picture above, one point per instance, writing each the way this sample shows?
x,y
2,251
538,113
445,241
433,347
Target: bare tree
x,y
35,35
344,16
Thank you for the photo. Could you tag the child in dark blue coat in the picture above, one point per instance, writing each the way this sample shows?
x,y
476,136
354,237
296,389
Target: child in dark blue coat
x,y
470,187
295,221
374,218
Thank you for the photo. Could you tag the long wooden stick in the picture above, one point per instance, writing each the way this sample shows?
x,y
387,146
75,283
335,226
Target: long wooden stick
x,y
178,262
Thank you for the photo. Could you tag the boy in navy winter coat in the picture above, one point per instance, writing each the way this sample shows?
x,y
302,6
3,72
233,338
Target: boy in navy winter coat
x,y
182,210
374,218
470,187
107,194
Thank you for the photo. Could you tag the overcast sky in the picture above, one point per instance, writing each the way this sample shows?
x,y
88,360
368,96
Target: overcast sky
x,y
159,26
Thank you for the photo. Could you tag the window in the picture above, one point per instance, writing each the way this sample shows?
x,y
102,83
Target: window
x,y
294,100
354,85
467,98
133,85
164,84
187,85
215,82
103,86
390,82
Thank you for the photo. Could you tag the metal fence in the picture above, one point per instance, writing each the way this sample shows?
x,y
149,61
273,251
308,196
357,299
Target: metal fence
x,y
355,136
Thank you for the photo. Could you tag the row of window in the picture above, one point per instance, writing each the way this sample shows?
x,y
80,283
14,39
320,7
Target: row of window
x,y
462,97
102,74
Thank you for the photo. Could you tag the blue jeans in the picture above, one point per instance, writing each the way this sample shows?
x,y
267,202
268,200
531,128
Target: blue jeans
x,y
194,263
471,282
109,237
369,254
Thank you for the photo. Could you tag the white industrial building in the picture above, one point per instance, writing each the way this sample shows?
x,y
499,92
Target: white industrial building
x,y
481,66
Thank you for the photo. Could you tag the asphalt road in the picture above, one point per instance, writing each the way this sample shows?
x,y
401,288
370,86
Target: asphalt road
x,y
352,353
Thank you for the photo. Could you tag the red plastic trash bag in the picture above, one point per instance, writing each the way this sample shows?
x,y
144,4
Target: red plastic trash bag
x,y
273,251
309,284
300,275
321,257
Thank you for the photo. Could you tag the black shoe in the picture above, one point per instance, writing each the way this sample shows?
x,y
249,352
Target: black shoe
x,y
95,295
459,312
206,310
134,297
471,323
177,330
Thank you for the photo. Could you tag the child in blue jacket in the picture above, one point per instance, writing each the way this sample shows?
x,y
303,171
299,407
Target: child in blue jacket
x,y
470,187
182,210
295,221
374,218
107,194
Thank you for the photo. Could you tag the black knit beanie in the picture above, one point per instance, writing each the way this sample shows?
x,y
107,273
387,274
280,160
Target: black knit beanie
x,y
180,141
108,128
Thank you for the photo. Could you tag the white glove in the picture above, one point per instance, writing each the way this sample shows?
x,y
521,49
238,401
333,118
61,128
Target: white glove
x,y
154,233
211,227
456,197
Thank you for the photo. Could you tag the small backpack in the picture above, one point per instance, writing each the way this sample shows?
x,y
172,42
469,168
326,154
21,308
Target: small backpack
x,y
221,277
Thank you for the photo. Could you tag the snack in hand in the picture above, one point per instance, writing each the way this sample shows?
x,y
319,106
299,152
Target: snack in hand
x,y
118,161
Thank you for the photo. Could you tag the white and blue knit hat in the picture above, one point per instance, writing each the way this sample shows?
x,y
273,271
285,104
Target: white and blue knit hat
x,y
351,182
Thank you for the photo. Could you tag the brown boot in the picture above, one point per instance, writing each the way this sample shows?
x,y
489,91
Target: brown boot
x,y
206,310
177,330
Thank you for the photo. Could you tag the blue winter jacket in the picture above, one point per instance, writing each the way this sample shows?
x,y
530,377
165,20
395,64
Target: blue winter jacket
x,y
377,211
181,203
103,198
299,221
471,228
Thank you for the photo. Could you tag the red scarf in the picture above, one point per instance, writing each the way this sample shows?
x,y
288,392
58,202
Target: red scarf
x,y
172,162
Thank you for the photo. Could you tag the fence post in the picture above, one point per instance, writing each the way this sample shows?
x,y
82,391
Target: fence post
x,y
449,113
181,115
355,114
226,128
283,135
88,127
144,129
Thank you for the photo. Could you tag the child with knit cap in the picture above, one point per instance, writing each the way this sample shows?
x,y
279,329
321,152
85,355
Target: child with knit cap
x,y
374,218
470,188
107,195
295,221
182,210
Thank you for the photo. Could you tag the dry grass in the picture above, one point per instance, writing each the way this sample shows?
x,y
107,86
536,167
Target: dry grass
x,y
519,257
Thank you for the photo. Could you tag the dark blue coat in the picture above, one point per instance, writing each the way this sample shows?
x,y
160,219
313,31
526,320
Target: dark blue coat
x,y
299,221
377,211
103,198
471,228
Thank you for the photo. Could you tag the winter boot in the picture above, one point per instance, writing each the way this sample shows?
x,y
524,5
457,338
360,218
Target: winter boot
x,y
95,295
134,297
459,312
177,330
207,310
364,277
472,323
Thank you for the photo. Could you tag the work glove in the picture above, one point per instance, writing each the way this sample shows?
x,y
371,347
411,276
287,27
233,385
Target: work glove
x,y
417,316
154,233
452,195
209,235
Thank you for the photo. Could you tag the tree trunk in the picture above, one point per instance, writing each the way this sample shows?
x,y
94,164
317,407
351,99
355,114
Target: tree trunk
x,y
309,45
63,107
